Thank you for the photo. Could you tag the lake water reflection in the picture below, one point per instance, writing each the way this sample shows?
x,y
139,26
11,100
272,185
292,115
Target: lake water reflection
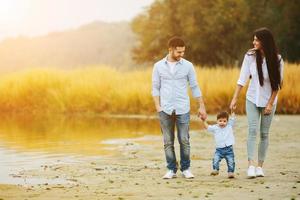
x,y
28,142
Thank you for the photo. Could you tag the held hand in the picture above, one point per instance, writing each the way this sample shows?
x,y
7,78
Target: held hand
x,y
204,123
268,109
202,113
233,104
232,113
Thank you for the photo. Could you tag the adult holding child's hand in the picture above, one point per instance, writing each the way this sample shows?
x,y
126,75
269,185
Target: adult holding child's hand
x,y
170,80
264,66
233,104
201,111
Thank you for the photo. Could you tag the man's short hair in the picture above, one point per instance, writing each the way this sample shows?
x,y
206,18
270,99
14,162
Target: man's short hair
x,y
222,115
176,42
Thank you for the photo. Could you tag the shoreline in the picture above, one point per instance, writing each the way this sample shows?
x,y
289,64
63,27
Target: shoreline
x,y
135,171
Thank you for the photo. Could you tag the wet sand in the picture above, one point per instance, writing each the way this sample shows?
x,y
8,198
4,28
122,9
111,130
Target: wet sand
x,y
134,172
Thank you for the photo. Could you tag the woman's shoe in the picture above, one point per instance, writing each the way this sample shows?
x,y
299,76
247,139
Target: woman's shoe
x,y
251,172
259,172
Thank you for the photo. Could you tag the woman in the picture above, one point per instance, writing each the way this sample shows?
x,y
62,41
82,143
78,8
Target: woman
x,y
264,67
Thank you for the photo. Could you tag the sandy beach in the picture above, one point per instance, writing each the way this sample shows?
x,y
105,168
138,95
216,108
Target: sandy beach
x,y
135,169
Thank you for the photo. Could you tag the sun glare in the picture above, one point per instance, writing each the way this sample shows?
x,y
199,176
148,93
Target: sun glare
x,y
12,11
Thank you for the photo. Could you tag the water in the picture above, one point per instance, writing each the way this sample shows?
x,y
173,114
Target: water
x,y
33,142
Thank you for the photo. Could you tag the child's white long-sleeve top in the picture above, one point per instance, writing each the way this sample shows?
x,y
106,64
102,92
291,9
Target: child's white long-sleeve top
x,y
223,136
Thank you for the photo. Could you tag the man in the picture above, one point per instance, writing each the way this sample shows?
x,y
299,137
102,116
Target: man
x,y
170,79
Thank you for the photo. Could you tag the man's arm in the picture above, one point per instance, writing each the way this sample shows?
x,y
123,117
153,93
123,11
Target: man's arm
x,y
201,110
196,92
156,88
157,103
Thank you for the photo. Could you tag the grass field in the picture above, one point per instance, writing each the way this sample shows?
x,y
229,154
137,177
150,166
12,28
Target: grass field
x,y
105,90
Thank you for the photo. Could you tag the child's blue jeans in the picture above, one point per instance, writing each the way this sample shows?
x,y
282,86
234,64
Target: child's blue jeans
x,y
228,154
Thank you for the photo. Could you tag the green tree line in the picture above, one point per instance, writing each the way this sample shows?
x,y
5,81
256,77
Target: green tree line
x,y
217,32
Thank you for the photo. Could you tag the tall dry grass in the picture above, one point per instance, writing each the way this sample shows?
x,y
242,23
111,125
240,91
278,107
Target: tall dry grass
x,y
106,90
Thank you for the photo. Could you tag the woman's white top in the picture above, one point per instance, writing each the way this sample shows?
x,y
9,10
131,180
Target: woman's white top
x,y
259,95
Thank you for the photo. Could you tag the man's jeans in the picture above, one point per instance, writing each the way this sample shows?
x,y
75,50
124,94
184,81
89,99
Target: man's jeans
x,y
227,153
167,124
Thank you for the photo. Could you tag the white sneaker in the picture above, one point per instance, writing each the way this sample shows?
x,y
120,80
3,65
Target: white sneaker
x,y
251,172
170,174
187,174
259,172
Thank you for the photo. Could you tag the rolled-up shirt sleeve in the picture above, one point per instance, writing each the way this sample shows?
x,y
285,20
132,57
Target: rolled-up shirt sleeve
x,y
196,92
155,82
245,72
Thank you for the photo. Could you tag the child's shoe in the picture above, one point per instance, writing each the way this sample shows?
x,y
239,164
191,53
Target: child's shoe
x,y
230,175
214,173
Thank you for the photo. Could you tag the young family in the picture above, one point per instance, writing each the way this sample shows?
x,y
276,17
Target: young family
x,y
170,79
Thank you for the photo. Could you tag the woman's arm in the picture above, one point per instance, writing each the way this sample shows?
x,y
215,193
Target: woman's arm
x,y
269,107
237,92
242,81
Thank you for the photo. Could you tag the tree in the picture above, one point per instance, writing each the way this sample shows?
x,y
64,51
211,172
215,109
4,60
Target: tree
x,y
205,25
154,28
283,18
217,32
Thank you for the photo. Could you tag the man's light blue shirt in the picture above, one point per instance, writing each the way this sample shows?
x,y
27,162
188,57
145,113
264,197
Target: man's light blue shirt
x,y
172,87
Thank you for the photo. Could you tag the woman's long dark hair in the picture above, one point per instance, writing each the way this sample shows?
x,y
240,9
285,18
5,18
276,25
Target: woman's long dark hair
x,y
269,48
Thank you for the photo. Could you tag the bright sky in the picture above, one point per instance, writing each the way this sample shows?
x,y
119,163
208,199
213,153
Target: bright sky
x,y
38,17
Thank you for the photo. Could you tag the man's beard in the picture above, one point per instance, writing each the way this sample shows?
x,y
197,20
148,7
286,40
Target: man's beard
x,y
176,58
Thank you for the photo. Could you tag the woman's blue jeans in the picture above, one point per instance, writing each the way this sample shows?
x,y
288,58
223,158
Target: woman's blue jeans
x,y
256,120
